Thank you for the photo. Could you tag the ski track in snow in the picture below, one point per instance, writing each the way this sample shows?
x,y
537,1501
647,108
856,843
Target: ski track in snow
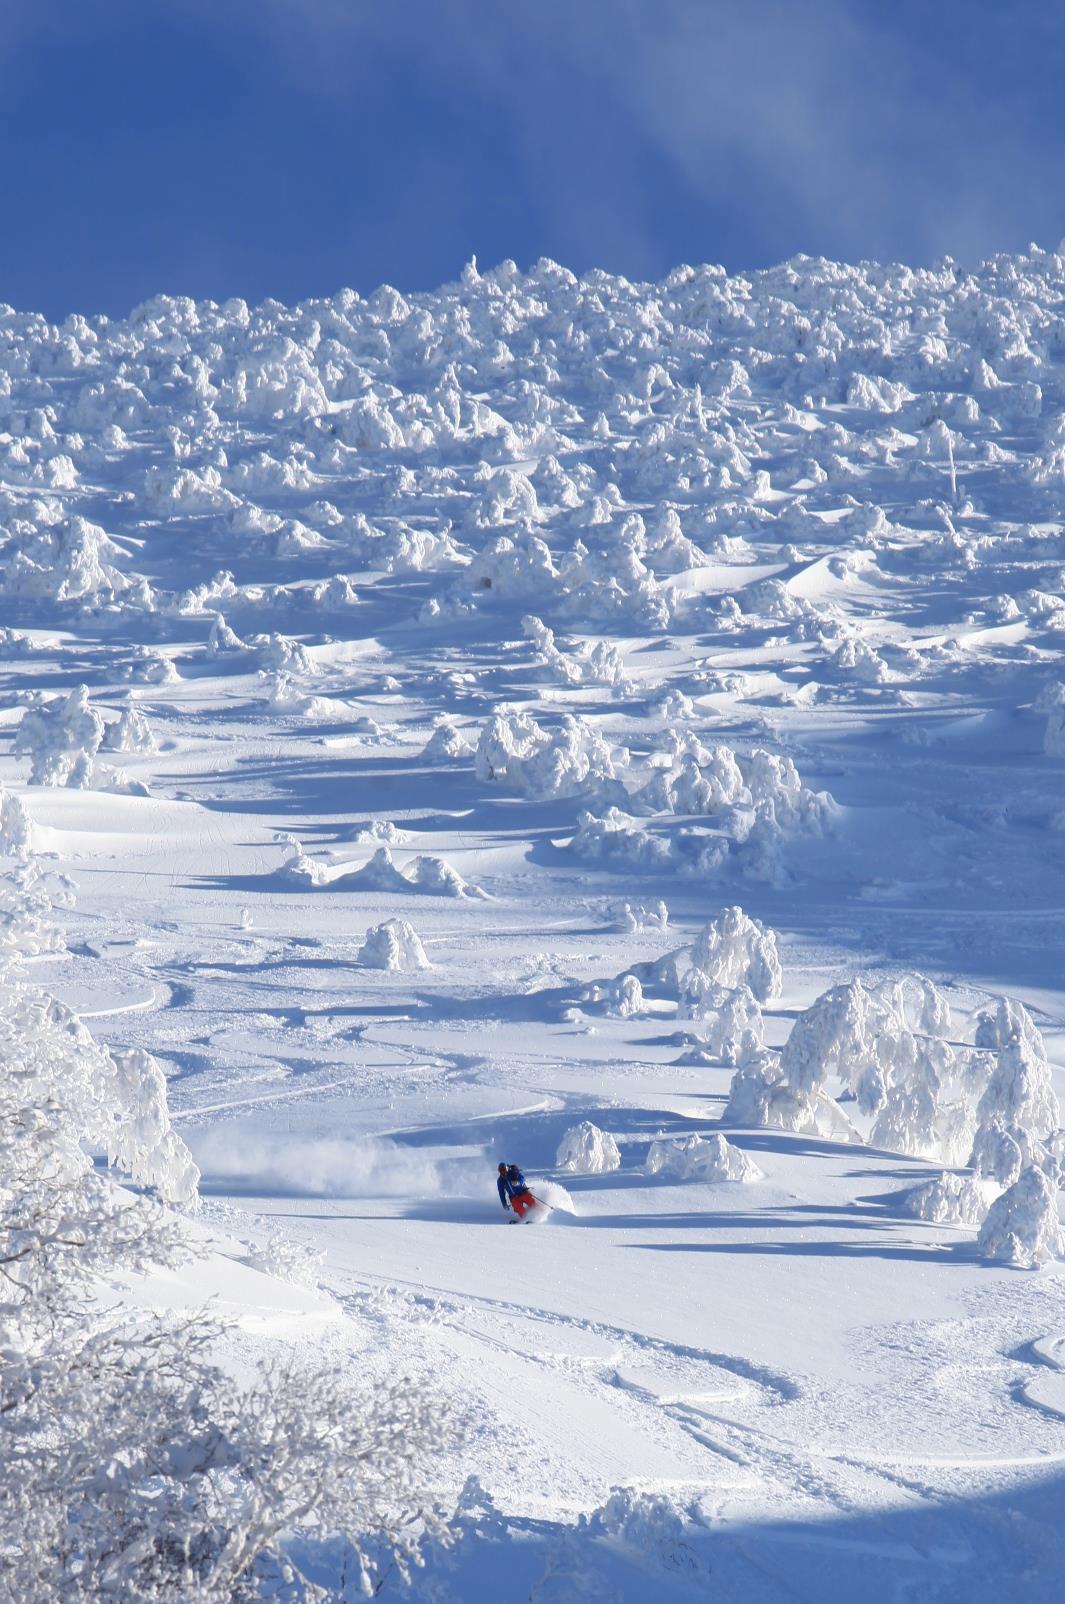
x,y
817,514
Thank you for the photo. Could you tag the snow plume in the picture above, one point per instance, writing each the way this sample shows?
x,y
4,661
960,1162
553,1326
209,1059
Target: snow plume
x,y
271,1164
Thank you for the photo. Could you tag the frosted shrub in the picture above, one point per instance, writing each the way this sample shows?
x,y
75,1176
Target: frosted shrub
x,y
61,737
16,828
437,878
202,1474
950,1200
1006,1021
131,733
564,761
590,665
223,641
139,1137
586,1150
286,1260
732,1020
633,916
698,1158
1001,1151
446,742
1019,1091
735,951
393,945
619,840
760,1096
423,875
300,870
1022,1226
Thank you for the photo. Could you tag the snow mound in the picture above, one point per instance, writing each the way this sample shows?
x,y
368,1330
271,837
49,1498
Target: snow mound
x,y
587,1150
698,1158
394,945
423,875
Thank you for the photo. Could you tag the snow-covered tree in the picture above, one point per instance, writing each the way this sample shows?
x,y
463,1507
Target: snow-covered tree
x,y
587,1150
735,951
61,737
393,945
133,1465
701,1158
1022,1226
16,827
130,733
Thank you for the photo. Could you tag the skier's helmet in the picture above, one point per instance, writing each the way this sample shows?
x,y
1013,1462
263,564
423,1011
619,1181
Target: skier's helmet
x,y
502,1169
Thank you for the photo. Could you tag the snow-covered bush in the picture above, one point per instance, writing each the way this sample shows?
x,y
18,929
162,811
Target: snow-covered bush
x,y
567,760
731,1020
761,1096
301,870
586,1150
634,916
393,945
699,1158
1022,1226
446,742
16,827
61,737
950,1199
734,951
206,1479
622,997
131,733
286,1260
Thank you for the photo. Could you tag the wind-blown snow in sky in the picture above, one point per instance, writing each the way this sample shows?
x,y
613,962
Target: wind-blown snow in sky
x,y
287,147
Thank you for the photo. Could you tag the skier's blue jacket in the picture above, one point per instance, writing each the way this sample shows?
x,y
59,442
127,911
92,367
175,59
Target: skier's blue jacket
x,y
510,1184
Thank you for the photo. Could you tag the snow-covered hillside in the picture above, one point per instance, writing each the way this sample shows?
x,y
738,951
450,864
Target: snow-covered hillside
x,y
618,729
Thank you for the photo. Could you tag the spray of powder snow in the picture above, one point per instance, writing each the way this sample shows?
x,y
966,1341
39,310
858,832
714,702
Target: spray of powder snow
x,y
559,1203
268,1164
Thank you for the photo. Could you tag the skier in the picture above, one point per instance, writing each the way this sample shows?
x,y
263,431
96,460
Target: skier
x,y
513,1190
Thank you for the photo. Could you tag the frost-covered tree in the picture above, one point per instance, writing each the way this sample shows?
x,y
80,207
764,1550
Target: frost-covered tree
x,y
61,737
393,945
587,1150
701,1158
731,1020
130,733
1022,1226
133,1465
735,951
16,827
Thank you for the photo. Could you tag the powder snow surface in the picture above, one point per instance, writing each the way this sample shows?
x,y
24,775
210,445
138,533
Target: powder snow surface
x,y
585,600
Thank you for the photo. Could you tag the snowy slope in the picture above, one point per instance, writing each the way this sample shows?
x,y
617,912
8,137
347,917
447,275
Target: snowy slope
x,y
720,591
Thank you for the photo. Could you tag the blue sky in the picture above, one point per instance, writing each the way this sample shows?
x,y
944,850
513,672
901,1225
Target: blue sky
x,y
291,147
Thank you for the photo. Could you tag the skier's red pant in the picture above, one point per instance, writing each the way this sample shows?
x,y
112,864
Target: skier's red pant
x,y
521,1202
